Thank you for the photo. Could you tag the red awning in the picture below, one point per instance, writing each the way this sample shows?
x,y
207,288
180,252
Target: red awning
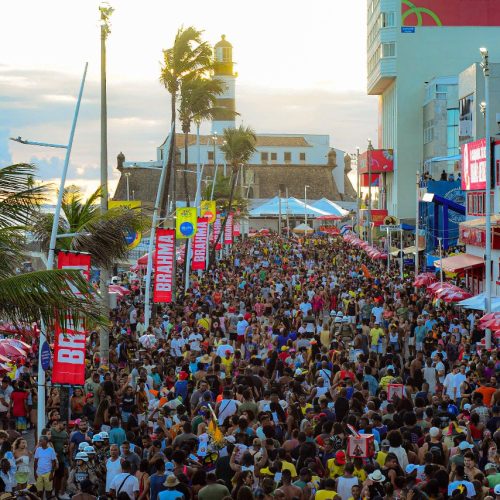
x,y
460,262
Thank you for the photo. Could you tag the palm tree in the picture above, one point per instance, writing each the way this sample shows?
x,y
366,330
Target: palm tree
x,y
238,147
39,295
188,58
222,193
99,234
198,98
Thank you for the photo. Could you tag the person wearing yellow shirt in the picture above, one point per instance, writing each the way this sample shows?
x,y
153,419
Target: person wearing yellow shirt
x,y
336,465
382,454
376,334
227,362
204,322
328,492
387,379
359,471
284,466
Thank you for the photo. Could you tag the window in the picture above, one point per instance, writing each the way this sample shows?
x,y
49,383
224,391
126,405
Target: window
x,y
441,91
452,144
211,156
428,131
264,157
274,156
475,203
288,156
388,19
302,157
388,49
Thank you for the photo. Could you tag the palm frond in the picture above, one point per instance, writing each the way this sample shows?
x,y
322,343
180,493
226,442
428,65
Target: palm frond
x,y
11,247
104,235
239,145
42,230
45,295
20,198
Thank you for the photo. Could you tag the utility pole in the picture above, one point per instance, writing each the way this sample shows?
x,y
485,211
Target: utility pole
x,y
106,10
417,226
440,260
358,193
279,212
369,159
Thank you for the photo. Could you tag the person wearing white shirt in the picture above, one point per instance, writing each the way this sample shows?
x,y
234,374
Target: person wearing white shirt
x,y
449,384
113,465
225,346
459,377
377,311
176,345
125,482
194,341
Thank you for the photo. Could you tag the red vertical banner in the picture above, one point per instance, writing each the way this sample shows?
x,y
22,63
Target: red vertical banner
x,y
200,245
69,343
237,229
228,230
216,231
164,266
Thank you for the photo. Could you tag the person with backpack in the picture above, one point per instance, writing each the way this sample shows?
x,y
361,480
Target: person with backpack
x,y
125,482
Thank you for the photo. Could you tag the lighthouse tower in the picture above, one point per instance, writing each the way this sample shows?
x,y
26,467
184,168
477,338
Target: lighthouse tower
x,y
223,70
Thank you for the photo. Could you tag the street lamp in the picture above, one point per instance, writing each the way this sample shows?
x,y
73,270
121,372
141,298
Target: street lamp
x,y
127,177
487,257
369,160
305,206
52,245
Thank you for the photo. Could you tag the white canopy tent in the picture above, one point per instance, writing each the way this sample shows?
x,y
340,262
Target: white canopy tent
x,y
478,302
291,206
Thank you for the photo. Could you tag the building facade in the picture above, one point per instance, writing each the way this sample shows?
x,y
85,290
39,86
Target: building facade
x,y
408,44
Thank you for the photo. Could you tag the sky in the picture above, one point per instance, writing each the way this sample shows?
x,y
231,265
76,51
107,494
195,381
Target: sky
x,y
301,69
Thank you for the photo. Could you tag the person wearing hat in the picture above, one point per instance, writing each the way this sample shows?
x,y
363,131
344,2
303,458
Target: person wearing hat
x,y
374,485
335,466
458,480
492,474
79,473
463,447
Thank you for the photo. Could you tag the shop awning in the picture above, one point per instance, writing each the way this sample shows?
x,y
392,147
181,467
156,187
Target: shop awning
x,y
460,262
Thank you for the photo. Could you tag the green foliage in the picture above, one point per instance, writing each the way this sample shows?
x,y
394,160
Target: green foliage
x,y
100,235
239,145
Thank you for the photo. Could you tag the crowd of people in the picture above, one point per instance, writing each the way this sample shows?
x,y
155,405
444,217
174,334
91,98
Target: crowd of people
x,y
292,369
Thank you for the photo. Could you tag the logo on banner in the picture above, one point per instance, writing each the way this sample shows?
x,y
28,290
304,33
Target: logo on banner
x,y
216,231
200,245
237,229
228,230
185,222
69,344
164,262
208,210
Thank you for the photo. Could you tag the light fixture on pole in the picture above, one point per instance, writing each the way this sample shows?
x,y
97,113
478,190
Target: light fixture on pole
x,y
305,206
52,244
127,177
417,226
440,260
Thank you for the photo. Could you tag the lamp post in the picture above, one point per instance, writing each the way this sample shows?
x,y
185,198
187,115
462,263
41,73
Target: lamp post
x,y
305,206
52,245
440,260
369,160
358,193
127,176
106,10
417,225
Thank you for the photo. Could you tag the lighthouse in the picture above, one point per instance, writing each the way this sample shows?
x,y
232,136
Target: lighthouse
x,y
224,70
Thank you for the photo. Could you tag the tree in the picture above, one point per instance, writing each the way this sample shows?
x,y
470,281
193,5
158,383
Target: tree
x,y
198,98
190,57
102,235
40,295
222,193
238,147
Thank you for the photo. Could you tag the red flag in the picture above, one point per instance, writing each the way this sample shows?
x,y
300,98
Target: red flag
x,y
200,245
366,272
164,265
237,229
228,230
216,231
69,344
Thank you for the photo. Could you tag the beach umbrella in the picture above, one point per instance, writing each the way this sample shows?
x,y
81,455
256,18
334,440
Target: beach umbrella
x,y
11,351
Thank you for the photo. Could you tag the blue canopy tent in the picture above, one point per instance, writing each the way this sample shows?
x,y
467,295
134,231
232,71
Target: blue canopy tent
x,y
290,206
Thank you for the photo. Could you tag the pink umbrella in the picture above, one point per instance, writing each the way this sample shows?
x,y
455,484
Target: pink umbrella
x,y
456,295
492,324
18,343
11,351
424,279
119,289
489,316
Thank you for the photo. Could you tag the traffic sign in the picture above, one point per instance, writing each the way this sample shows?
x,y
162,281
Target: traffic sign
x,y
395,227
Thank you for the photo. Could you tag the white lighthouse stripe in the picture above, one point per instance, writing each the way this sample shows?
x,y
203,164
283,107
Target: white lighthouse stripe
x,y
229,86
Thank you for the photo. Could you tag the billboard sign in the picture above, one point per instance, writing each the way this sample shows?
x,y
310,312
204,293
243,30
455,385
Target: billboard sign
x,y
164,266
382,160
450,13
474,165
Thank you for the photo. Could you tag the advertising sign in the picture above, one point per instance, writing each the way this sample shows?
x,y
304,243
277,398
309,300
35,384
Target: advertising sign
x,y
185,222
45,356
200,245
474,165
236,229
69,344
208,210
228,230
450,13
164,266
382,160
216,231
133,238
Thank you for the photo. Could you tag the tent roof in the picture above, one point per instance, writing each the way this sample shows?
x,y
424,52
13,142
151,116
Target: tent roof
x,y
292,206
479,303
330,207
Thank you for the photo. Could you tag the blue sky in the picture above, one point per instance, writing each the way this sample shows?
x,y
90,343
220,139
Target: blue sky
x,y
302,69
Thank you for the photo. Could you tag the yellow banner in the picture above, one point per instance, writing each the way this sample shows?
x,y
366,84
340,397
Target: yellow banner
x,y
133,238
208,210
185,222
124,203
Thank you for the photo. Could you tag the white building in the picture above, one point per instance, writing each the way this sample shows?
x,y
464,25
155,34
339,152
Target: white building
x,y
407,47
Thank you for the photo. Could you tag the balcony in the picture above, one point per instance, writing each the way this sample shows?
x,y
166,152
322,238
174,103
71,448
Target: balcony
x,y
382,75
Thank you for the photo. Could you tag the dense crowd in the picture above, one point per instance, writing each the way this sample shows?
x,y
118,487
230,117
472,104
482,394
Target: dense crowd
x,y
293,369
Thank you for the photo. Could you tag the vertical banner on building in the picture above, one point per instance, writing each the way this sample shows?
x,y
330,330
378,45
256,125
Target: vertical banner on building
x,y
228,230
185,222
200,245
208,210
69,343
237,228
216,231
164,266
